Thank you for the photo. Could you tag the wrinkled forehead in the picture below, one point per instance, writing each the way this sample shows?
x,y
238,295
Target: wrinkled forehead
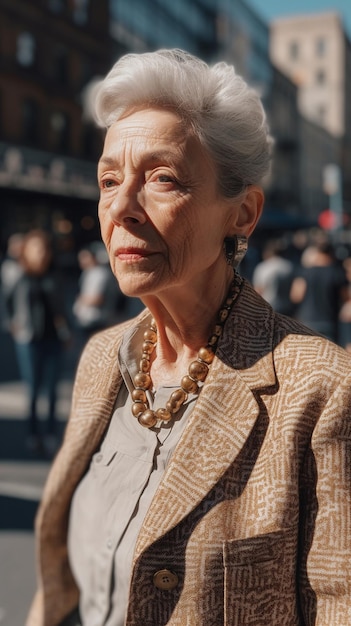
x,y
150,124
161,134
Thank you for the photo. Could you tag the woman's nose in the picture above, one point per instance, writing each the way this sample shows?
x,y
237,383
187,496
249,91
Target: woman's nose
x,y
127,206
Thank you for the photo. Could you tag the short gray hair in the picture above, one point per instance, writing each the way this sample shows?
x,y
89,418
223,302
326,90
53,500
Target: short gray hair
x,y
224,111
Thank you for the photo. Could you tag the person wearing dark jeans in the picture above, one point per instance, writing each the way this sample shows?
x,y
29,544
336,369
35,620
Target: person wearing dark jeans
x,y
39,329
39,362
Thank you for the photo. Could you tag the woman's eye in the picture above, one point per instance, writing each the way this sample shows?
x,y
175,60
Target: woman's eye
x,y
107,183
164,178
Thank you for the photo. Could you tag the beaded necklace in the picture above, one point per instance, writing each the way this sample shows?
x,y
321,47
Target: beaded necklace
x,y
191,382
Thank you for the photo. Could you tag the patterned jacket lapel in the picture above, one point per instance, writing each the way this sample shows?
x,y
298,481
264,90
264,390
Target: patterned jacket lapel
x,y
223,417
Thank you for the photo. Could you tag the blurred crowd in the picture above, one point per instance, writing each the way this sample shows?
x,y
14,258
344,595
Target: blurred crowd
x,y
308,277
48,310
47,313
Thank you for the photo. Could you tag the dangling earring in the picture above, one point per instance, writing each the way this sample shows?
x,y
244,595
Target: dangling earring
x,y
235,249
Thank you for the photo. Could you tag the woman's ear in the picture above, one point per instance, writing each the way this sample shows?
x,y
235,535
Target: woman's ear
x,y
248,211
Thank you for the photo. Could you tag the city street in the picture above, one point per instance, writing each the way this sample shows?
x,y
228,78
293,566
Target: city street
x,y
21,483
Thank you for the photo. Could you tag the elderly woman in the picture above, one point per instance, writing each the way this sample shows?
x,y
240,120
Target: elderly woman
x,y
204,477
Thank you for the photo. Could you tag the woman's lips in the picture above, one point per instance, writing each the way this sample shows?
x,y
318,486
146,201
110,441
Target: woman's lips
x,y
132,254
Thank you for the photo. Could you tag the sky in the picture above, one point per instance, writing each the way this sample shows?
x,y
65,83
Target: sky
x,y
271,9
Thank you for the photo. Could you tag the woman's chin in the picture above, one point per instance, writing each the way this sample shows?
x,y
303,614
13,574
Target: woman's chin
x,y
137,285
133,288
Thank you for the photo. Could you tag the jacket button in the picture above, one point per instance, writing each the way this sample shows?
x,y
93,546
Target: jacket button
x,y
165,579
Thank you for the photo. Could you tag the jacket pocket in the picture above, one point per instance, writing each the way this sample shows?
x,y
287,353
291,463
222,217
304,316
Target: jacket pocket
x,y
259,580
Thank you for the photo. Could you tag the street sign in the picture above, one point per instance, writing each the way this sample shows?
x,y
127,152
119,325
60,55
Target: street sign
x,y
331,179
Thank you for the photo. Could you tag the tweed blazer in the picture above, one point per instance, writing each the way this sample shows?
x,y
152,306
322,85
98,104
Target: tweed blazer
x,y
253,515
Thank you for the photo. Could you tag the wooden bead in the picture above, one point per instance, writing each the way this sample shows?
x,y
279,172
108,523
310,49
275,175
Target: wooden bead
x,y
212,340
153,325
206,354
170,407
142,380
218,330
198,370
163,414
223,315
150,335
138,395
138,408
144,365
176,400
148,347
147,419
179,395
189,385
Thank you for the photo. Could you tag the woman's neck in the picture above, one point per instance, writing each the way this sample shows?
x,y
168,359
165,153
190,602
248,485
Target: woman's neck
x,y
184,320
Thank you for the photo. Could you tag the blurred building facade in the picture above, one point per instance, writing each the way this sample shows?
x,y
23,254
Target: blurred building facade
x,y
310,49
284,191
211,29
232,31
49,50
315,53
139,26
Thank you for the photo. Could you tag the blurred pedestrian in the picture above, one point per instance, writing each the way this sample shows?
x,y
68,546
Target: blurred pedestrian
x,y
99,299
11,269
272,277
39,329
319,289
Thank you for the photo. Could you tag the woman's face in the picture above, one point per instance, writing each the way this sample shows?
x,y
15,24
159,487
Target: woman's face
x,y
36,255
162,218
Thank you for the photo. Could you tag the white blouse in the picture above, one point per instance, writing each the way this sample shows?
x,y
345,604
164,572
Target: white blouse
x,y
110,502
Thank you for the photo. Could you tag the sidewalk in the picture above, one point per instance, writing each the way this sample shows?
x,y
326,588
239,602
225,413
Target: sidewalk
x,y
13,400
21,483
17,471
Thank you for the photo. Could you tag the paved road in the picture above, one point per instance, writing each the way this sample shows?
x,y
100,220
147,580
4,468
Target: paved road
x,y
21,481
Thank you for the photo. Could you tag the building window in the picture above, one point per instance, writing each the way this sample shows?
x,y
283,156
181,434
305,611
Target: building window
x,y
30,121
89,141
61,131
25,52
80,11
321,46
294,50
321,77
57,6
61,66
